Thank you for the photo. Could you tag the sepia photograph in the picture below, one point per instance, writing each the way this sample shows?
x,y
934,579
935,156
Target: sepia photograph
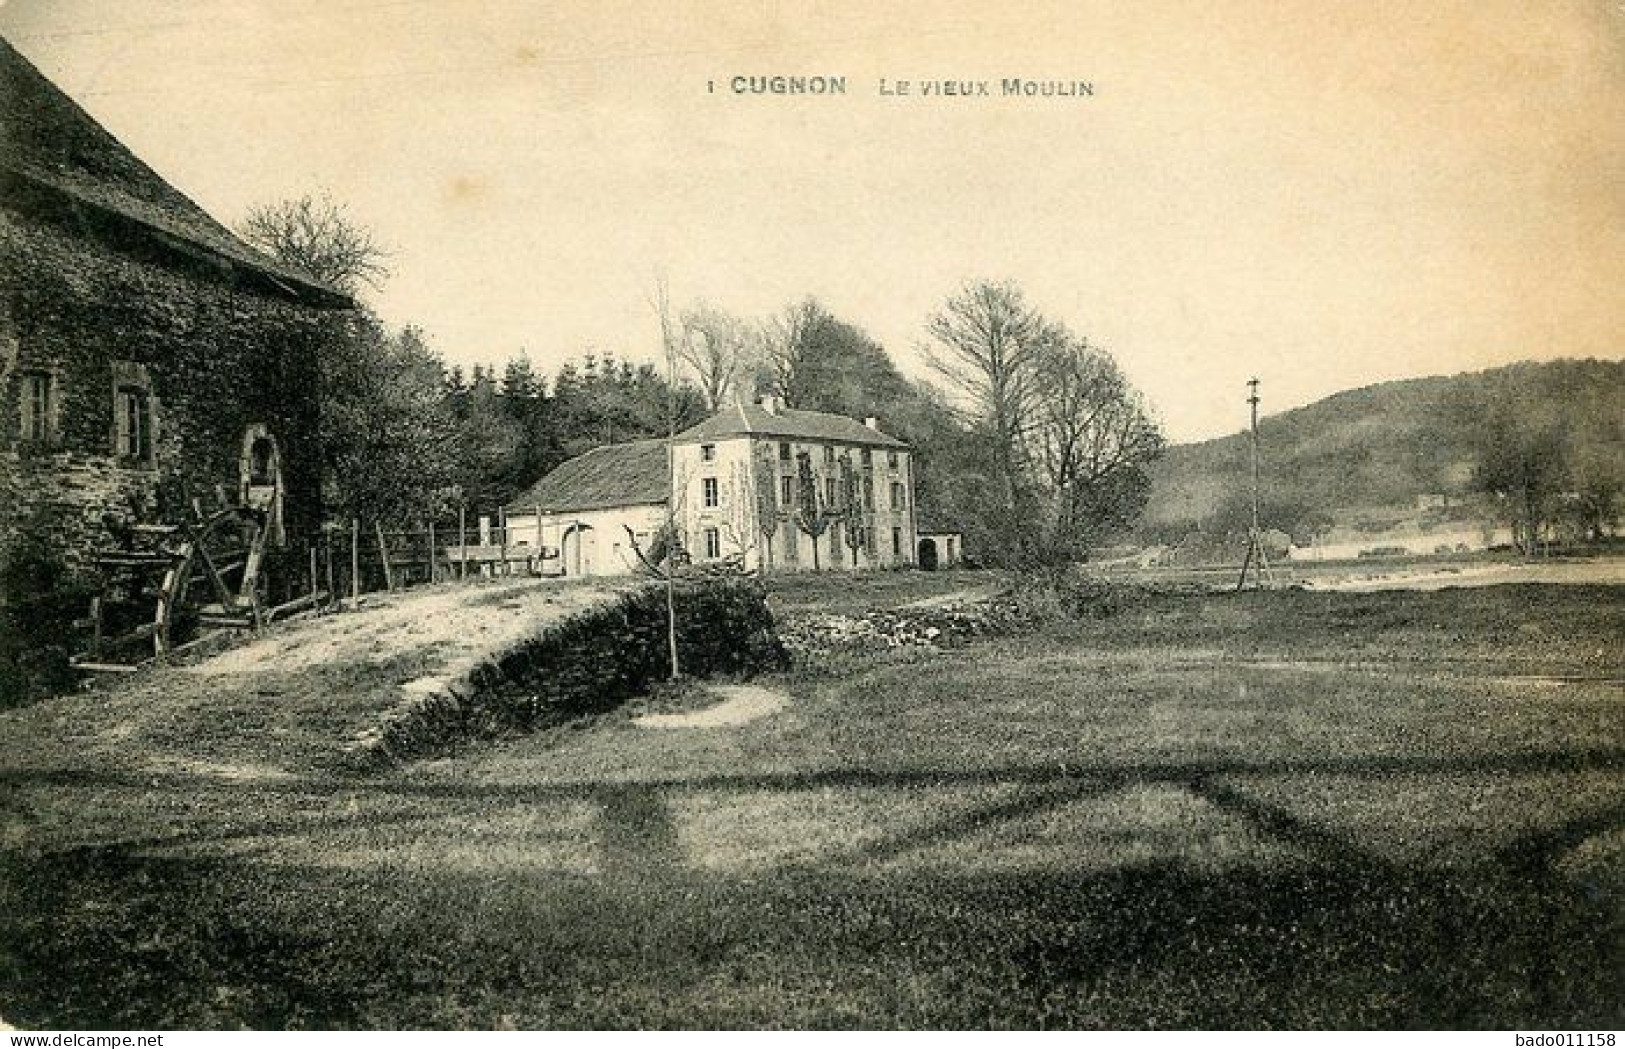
x,y
750,515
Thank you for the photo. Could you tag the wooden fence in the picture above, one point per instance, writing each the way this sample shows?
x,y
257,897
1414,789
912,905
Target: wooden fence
x,y
355,557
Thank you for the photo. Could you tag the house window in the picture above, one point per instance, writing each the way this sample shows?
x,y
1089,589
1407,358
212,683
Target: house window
x,y
784,451
830,494
787,491
711,494
39,407
897,542
790,541
829,453
868,457
897,495
891,459
132,423
868,492
708,453
713,544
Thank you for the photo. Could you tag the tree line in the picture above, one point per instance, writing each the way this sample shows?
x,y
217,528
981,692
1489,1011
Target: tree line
x,y
1034,444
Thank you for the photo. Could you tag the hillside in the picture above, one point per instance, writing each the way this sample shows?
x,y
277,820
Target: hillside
x,y
1389,445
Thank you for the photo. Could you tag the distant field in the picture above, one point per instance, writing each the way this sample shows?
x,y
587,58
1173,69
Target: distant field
x,y
1405,572
1293,809
848,592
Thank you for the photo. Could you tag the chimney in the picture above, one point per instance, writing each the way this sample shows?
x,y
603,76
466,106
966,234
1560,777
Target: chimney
x,y
872,423
770,403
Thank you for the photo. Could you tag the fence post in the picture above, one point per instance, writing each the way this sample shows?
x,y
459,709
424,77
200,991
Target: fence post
x,y
355,562
432,579
383,555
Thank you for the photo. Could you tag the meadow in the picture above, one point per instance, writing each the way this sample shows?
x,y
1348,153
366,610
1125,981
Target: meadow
x,y
1286,809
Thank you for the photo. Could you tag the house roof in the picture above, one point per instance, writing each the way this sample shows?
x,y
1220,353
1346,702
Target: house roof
x,y
630,474
49,145
753,419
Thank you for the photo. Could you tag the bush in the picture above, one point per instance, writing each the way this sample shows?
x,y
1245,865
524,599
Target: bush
x,y
1065,593
39,602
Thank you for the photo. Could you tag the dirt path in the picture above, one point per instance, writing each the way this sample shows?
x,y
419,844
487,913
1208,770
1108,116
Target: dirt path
x,y
1574,573
458,621
741,704
288,701
968,596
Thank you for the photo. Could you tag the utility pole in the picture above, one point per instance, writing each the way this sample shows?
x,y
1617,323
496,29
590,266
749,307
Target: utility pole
x,y
1255,558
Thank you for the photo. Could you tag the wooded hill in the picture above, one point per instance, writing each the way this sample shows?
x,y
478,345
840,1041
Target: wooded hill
x,y
1388,444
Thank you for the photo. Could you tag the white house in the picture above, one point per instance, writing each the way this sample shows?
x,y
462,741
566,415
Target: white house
x,y
576,518
941,545
736,489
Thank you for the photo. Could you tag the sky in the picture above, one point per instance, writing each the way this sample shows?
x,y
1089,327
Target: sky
x,y
1320,194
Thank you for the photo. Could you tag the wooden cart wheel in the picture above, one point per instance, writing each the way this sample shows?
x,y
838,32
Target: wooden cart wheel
x,y
216,579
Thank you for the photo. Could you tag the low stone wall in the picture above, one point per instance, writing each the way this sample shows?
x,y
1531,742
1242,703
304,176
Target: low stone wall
x,y
587,663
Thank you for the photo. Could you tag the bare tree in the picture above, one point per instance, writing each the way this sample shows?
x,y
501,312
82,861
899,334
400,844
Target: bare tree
x,y
782,342
715,345
810,514
1090,437
766,492
660,300
318,237
986,342
855,523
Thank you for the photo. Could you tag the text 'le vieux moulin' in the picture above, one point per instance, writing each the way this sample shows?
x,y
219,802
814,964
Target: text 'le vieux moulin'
x,y
1008,87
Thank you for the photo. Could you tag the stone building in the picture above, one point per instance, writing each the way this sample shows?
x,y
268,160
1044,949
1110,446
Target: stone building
x,y
743,467
148,357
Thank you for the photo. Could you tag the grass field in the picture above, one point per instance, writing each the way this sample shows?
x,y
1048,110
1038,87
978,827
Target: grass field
x,y
1263,810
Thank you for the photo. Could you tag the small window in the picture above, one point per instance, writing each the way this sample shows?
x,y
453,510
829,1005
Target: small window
x,y
831,496
868,456
132,418
897,542
898,495
829,453
709,488
713,544
787,491
708,453
868,492
38,407
784,451
891,459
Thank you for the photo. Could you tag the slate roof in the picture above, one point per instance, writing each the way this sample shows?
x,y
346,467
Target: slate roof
x,y
630,474
792,423
49,145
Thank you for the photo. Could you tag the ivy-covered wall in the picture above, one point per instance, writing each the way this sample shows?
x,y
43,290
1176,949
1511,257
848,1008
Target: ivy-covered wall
x,y
94,311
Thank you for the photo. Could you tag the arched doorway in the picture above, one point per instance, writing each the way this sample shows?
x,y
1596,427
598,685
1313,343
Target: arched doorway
x,y
928,554
259,472
576,549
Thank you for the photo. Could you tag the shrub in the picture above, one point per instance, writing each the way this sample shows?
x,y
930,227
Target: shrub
x,y
39,602
1065,593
